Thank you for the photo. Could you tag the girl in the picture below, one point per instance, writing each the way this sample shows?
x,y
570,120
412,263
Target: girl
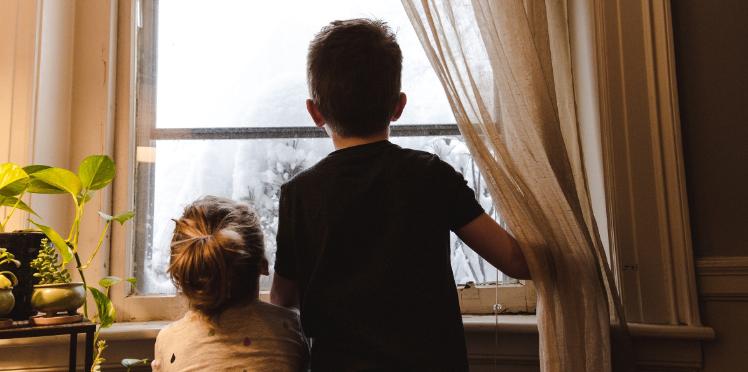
x,y
217,256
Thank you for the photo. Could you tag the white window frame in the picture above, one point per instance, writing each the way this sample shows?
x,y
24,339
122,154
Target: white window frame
x,y
642,158
626,111
516,297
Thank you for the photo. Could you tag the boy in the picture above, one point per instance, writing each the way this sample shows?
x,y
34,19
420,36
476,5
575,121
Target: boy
x,y
363,236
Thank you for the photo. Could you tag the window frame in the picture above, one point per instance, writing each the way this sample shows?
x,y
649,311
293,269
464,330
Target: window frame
x,y
138,127
631,79
642,155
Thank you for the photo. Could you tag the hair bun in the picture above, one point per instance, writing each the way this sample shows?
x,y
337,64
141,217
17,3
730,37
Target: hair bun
x,y
216,253
228,237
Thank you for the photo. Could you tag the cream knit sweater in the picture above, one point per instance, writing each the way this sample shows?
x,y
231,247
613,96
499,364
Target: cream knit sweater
x,y
254,337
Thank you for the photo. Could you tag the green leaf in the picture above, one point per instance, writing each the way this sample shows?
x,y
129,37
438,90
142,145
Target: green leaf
x,y
8,258
104,307
41,187
33,168
121,218
16,188
59,178
131,363
58,241
38,186
133,282
10,201
109,281
4,282
12,179
84,198
96,171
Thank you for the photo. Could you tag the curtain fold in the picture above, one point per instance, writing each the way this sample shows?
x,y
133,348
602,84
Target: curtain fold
x,y
506,68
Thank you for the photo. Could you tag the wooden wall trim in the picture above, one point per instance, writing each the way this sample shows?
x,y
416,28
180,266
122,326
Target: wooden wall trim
x,y
647,207
723,278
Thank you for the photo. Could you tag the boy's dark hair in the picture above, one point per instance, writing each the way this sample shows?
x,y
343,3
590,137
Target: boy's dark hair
x,y
353,70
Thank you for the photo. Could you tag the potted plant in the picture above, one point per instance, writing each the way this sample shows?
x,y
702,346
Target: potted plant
x,y
94,173
55,292
7,281
24,245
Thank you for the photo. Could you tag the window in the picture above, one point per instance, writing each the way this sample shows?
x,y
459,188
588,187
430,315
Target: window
x,y
220,110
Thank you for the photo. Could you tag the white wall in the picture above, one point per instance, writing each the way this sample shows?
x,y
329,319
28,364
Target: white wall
x,y
18,43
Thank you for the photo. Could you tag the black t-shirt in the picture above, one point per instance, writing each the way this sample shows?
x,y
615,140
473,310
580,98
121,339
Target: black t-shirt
x,y
365,234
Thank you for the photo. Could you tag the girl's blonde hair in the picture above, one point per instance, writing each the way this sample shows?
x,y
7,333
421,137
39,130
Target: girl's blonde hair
x,y
217,254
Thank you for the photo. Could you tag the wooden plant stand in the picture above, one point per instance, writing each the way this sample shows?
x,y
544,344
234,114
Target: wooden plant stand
x,y
22,329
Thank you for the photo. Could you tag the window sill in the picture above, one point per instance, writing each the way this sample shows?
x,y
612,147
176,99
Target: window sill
x,y
507,324
657,347
529,324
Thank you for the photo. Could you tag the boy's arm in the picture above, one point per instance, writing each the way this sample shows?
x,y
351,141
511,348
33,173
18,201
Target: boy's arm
x,y
495,245
284,292
467,219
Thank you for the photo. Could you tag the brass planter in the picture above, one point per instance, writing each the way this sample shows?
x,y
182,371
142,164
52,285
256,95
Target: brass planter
x,y
7,301
57,298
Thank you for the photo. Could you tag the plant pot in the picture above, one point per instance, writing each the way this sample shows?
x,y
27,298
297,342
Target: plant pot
x,y
25,246
58,298
7,301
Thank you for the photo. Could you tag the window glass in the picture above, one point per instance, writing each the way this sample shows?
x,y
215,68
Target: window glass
x,y
239,63
238,67
253,171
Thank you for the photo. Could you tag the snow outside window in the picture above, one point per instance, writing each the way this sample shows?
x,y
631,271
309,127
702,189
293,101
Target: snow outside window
x,y
221,93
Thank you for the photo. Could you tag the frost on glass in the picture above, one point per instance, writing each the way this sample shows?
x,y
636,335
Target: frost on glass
x,y
253,171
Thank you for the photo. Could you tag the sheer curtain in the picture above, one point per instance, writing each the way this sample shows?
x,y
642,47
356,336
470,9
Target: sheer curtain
x,y
506,68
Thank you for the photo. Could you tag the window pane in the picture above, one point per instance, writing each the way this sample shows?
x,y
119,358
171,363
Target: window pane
x,y
253,171
239,63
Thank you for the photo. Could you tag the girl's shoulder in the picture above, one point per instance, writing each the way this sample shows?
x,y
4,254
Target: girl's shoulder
x,y
255,315
188,323
260,317
259,312
279,311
